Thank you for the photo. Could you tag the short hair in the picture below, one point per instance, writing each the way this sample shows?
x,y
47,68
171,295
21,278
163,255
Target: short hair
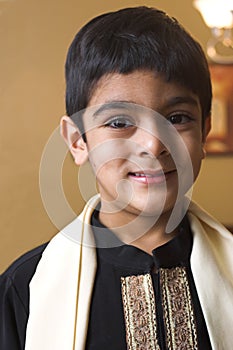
x,y
132,39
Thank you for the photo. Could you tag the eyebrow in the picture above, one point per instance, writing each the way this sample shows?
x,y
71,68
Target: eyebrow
x,y
113,105
177,100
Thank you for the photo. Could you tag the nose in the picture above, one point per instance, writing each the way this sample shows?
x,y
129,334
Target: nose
x,y
150,145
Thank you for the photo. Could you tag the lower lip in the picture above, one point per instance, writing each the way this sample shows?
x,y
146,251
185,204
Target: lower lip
x,y
147,180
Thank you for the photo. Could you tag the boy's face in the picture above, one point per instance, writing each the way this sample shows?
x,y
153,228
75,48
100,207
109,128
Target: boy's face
x,y
134,128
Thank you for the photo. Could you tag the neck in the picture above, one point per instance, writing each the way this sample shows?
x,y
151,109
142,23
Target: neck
x,y
144,232
154,238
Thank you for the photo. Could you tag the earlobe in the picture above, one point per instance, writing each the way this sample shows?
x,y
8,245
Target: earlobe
x,y
74,140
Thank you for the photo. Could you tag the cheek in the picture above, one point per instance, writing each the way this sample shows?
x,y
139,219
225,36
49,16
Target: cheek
x,y
110,169
190,160
107,154
111,178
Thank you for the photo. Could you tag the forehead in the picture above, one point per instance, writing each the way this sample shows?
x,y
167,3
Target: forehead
x,y
142,87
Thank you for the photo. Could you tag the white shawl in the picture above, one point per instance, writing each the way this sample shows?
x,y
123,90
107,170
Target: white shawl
x,y
61,288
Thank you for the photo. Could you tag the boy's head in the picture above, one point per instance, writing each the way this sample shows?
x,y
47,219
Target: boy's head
x,y
142,85
132,39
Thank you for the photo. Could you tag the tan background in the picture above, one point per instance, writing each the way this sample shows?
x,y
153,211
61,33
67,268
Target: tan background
x,y
34,37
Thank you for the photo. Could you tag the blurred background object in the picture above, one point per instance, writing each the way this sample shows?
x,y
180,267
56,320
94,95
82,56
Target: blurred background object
x,y
218,16
34,37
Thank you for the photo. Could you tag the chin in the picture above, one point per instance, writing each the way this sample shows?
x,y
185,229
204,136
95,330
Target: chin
x,y
152,208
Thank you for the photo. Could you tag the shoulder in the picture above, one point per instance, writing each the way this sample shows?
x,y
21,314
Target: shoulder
x,y
18,276
26,263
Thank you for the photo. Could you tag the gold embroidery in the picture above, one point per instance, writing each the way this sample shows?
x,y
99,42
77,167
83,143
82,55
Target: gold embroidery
x,y
178,311
139,310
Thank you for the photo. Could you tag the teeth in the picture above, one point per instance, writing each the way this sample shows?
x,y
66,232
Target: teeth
x,y
147,175
142,175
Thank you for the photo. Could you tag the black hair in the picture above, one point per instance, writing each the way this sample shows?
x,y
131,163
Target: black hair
x,y
131,39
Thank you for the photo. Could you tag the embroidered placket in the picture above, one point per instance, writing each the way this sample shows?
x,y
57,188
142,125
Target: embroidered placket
x,y
178,311
139,311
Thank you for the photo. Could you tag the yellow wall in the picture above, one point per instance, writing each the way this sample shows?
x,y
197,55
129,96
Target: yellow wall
x,y
34,36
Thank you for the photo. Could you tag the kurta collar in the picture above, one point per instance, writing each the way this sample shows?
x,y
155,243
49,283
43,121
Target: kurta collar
x,y
174,253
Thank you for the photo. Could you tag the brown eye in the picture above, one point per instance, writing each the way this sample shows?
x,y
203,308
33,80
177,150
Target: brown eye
x,y
119,123
179,119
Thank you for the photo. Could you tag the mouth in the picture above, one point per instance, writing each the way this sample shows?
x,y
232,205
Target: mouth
x,y
151,177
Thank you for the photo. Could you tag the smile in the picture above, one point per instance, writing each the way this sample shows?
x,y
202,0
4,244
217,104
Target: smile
x,y
151,177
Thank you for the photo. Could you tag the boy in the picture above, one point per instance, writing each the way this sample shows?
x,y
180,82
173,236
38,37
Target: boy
x,y
136,270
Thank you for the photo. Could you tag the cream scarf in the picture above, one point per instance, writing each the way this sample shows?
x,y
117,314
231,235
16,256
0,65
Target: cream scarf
x,y
61,288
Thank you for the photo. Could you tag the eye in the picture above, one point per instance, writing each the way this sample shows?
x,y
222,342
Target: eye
x,y
179,118
120,122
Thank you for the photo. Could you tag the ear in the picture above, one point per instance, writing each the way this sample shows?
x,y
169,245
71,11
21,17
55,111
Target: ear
x,y
74,140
